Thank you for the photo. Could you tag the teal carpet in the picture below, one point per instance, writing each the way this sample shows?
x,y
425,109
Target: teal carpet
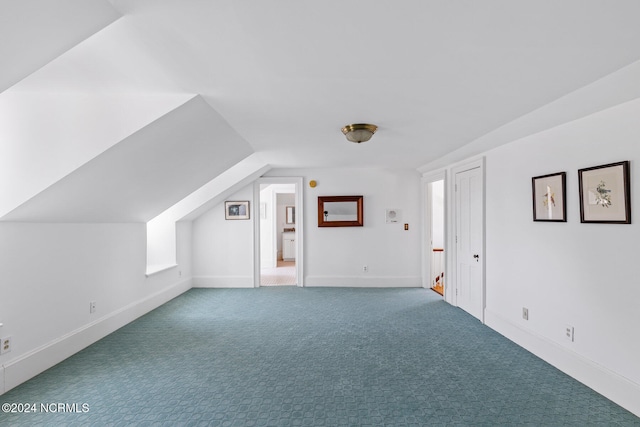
x,y
309,357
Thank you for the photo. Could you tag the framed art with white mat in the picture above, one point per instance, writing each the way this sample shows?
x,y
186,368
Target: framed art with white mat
x,y
549,200
605,194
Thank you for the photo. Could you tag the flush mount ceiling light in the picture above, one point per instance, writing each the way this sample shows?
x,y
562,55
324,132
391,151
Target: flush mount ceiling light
x,y
359,132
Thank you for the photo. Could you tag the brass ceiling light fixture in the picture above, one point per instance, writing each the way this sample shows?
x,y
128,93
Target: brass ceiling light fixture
x,y
359,132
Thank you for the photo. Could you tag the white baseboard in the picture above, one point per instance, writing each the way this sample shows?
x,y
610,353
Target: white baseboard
x,y
223,282
314,281
613,386
364,282
29,365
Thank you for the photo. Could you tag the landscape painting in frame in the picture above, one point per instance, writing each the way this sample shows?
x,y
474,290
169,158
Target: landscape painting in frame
x,y
549,202
236,210
605,194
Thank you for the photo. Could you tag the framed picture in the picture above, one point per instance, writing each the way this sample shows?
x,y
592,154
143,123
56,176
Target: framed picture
x,y
605,194
236,210
549,202
290,215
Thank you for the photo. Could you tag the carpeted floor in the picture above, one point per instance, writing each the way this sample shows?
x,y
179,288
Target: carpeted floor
x,y
291,356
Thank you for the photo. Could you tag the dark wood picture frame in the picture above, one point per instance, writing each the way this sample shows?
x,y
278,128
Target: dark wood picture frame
x,y
605,193
290,214
549,197
324,219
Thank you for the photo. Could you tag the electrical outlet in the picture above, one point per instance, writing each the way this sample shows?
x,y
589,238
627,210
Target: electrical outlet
x,y
525,313
92,307
6,344
365,268
568,333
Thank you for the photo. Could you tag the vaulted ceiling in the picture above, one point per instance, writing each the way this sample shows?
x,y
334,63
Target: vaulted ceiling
x,y
116,110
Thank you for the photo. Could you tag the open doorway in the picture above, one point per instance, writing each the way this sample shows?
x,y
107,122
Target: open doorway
x,y
437,253
279,233
435,234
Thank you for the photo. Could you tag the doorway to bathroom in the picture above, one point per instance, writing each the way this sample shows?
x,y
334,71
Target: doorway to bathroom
x,y
279,232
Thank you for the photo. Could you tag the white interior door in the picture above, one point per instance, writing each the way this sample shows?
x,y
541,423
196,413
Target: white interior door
x,y
469,242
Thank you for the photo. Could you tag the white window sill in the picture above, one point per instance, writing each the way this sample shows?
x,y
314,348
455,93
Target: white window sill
x,y
158,268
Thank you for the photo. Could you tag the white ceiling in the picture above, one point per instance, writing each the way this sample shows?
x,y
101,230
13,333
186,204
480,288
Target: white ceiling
x,y
282,77
433,75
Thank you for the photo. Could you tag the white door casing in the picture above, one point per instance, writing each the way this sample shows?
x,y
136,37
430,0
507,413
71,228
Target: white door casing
x,y
299,239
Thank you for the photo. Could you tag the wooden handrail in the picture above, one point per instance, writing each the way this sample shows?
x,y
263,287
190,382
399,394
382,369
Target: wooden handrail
x,y
438,250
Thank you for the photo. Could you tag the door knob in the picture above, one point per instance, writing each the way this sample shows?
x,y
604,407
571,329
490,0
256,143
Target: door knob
x,y
476,256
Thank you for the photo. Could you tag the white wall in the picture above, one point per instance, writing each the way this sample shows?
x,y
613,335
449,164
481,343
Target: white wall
x,y
585,275
334,256
223,249
50,273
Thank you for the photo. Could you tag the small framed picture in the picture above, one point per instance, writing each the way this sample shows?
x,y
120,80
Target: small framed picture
x,y
549,202
236,210
605,194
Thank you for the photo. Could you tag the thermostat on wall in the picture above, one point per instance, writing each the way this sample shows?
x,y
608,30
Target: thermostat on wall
x,y
393,215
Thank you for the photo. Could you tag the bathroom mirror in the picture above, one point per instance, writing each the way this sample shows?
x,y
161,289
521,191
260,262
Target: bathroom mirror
x,y
291,215
340,211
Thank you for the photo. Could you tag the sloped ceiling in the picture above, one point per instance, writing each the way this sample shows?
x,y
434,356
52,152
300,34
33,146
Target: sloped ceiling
x,y
34,32
140,177
278,79
46,136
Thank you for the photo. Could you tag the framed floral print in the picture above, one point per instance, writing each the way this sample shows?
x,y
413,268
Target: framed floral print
x,y
549,202
605,194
